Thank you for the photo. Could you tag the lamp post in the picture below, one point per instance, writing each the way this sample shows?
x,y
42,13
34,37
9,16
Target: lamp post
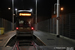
x,y
57,20
12,15
36,17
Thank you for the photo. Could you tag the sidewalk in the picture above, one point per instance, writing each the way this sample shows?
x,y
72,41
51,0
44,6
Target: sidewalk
x,y
51,40
4,39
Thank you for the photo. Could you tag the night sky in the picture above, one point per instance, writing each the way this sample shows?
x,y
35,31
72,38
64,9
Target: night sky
x,y
44,7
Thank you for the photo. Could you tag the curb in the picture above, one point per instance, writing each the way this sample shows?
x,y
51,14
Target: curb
x,y
8,40
40,40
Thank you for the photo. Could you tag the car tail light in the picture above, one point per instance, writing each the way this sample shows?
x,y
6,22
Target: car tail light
x,y
32,28
17,28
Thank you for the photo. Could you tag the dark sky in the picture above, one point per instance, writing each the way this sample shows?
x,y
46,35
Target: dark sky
x,y
44,7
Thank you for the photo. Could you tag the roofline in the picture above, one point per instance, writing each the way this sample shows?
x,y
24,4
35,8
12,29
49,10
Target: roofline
x,y
24,10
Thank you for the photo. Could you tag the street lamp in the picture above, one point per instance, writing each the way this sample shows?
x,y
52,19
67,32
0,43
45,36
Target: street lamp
x,y
62,8
16,11
9,8
36,17
12,15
